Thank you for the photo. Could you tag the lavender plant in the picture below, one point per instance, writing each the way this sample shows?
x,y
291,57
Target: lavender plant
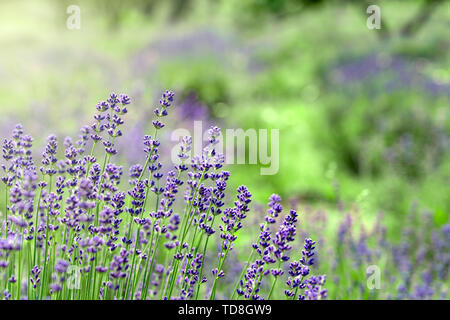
x,y
74,228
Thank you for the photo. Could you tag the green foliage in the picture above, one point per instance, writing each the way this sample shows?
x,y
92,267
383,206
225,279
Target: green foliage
x,y
204,77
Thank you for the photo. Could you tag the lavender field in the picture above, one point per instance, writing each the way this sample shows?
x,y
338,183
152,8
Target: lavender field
x,y
224,150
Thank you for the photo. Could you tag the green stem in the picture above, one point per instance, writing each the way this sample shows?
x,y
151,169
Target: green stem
x,y
220,266
203,262
6,210
183,232
36,226
6,199
250,257
244,270
44,277
296,289
274,282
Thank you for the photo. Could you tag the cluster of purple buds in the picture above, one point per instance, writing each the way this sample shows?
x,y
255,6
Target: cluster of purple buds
x,y
165,102
249,287
11,243
35,279
263,247
49,156
314,290
184,153
284,236
233,217
191,276
299,282
119,265
109,121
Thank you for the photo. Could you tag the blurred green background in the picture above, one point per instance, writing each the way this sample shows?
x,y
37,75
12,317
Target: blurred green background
x,y
363,114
